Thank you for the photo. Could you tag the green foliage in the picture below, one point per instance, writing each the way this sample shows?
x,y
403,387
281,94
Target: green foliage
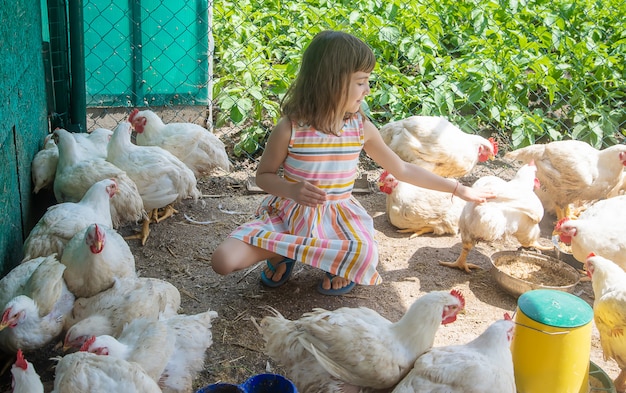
x,y
527,70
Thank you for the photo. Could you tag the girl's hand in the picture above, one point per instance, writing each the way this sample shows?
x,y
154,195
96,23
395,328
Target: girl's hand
x,y
472,195
307,194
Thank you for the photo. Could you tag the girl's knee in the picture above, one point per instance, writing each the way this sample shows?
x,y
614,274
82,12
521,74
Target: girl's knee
x,y
219,262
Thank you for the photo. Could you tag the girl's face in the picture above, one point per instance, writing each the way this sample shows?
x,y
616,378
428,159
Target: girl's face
x,y
359,88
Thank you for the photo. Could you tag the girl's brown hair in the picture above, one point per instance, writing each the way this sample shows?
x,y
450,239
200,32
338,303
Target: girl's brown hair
x,y
318,94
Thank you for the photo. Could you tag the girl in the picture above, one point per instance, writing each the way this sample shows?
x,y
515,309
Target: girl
x,y
310,215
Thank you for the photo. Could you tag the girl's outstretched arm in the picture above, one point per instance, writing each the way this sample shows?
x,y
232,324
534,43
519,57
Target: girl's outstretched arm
x,y
404,171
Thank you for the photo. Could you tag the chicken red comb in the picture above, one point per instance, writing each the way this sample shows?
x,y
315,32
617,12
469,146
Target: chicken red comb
x,y
132,115
87,343
494,144
457,294
560,223
591,254
507,317
20,361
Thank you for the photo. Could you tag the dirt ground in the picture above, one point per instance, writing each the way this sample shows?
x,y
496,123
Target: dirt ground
x,y
179,251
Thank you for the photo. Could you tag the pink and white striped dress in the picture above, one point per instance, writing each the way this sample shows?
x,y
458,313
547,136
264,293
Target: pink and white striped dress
x,y
338,236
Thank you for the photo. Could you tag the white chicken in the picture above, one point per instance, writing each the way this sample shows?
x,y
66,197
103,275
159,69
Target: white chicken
x,y
88,372
94,142
128,299
193,337
349,348
62,221
31,320
434,143
95,257
162,179
573,171
515,212
77,170
143,341
200,149
16,281
600,229
44,165
609,310
484,365
420,210
172,350
24,377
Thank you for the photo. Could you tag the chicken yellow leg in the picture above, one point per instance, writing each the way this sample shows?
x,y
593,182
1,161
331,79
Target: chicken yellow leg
x,y
169,211
461,261
418,232
153,216
143,234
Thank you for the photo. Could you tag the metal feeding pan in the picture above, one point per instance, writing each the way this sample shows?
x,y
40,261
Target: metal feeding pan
x,y
520,271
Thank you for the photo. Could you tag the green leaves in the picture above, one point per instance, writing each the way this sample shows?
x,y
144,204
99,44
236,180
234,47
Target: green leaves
x,y
528,70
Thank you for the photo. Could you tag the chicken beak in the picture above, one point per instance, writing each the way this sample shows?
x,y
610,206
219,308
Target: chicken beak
x,y
3,324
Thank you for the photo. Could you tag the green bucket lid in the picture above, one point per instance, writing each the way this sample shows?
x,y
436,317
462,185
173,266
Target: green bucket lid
x,y
555,308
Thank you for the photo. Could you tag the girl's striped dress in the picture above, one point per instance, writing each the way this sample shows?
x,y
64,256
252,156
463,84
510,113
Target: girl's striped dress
x,y
338,236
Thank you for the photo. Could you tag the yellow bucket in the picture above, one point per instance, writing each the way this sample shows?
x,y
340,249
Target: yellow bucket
x,y
552,342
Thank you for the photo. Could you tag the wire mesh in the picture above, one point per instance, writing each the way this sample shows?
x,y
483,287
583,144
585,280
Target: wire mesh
x,y
522,71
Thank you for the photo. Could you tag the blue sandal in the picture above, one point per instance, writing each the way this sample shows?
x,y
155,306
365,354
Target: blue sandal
x,y
275,284
334,292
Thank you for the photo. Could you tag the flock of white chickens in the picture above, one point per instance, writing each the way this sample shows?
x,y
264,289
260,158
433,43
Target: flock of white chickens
x,y
583,186
78,278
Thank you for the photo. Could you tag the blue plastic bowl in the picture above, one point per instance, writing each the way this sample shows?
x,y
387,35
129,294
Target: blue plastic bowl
x,y
261,383
268,383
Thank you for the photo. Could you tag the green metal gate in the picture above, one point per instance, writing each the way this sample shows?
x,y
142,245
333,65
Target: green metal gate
x,y
146,53
122,53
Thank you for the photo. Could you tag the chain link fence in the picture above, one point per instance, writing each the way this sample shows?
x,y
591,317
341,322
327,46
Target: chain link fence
x,y
522,71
